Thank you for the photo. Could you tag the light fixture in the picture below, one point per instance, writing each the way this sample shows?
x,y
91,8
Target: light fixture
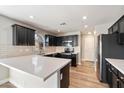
x,y
89,33
31,17
84,17
85,26
58,30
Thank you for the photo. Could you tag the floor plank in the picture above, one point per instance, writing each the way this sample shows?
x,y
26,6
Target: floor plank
x,y
84,76
7,85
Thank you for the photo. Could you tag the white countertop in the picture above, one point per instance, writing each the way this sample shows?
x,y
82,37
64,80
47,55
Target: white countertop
x,y
117,63
40,66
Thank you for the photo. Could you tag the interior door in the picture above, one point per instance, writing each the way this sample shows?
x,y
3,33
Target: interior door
x,y
88,47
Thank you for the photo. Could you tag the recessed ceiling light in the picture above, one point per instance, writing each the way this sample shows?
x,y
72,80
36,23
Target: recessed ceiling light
x,y
85,26
84,17
31,17
89,33
58,30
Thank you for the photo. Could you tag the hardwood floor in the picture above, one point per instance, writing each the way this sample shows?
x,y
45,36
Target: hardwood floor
x,y
82,76
7,85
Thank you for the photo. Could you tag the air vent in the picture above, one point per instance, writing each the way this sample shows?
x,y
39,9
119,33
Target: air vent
x,y
62,24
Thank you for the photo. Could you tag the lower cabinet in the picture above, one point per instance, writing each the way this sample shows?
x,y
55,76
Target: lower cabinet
x,y
115,81
64,77
114,77
73,57
121,84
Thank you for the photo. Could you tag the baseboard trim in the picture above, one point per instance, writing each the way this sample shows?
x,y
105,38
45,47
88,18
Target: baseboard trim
x,y
78,63
3,81
87,60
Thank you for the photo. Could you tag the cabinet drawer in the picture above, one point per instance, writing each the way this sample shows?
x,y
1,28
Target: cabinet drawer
x,y
114,70
121,76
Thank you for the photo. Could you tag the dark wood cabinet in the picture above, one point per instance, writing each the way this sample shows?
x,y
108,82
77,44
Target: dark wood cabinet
x,y
121,25
114,77
115,27
23,36
64,76
73,39
115,80
108,74
73,57
51,40
110,31
118,28
59,41
121,84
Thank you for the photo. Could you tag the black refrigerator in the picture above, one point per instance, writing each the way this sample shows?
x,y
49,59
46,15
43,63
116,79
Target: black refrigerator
x,y
108,47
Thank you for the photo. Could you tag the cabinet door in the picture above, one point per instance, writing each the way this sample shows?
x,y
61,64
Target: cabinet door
x,y
64,77
115,81
21,35
75,40
30,37
121,84
121,26
59,41
110,30
109,77
115,27
74,60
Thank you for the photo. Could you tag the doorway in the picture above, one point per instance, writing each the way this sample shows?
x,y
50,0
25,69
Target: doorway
x,y
88,48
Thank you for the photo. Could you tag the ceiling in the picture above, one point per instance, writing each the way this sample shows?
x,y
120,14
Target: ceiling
x,y
49,17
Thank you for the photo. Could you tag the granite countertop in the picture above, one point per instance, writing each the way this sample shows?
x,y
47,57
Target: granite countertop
x,y
36,65
117,63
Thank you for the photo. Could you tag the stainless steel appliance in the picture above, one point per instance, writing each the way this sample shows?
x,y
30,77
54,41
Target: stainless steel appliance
x,y
69,50
108,47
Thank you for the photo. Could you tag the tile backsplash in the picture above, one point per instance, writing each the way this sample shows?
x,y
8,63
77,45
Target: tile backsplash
x,y
12,51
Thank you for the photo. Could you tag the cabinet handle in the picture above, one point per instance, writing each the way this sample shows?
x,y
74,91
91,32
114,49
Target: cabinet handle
x,y
122,78
117,79
112,68
109,70
61,76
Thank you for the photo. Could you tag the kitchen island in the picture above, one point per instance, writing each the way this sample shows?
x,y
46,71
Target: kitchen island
x,y
37,71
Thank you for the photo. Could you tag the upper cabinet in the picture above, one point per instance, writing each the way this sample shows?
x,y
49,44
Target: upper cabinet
x,y
61,40
50,40
72,39
121,25
23,36
118,27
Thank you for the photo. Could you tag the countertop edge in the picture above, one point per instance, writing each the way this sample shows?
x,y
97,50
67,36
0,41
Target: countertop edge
x,y
119,69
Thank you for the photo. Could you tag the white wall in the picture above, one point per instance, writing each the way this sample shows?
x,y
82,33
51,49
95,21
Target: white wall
x,y
103,28
6,47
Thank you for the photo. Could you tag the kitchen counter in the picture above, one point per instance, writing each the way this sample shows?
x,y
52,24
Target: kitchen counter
x,y
36,65
34,70
117,63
